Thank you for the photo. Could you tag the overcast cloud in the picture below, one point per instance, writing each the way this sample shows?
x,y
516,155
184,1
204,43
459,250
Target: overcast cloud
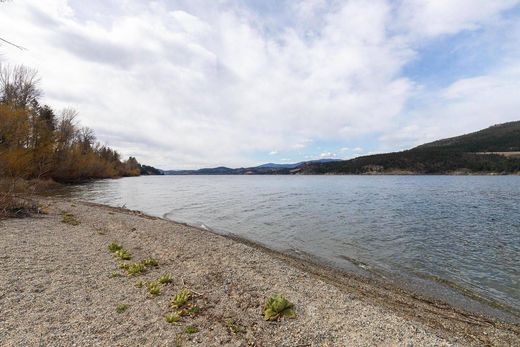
x,y
188,84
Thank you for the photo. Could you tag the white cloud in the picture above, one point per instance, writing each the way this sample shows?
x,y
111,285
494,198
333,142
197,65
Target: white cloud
x,y
273,152
189,84
439,17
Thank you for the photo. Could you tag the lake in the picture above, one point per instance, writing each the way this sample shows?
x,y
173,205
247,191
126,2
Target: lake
x,y
454,237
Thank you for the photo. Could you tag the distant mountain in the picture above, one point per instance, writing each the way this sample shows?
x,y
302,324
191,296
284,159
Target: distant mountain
x,y
492,150
292,166
264,169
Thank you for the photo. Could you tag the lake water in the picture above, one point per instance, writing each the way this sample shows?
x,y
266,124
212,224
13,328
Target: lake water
x,y
451,235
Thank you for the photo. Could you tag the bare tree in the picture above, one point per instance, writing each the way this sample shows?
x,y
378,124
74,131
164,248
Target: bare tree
x,y
19,85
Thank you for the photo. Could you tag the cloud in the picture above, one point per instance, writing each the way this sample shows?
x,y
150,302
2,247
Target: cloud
x,y
273,152
188,84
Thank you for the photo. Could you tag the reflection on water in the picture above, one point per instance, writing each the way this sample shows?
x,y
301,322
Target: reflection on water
x,y
463,232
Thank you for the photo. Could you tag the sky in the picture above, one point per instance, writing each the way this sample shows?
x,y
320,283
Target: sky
x,y
185,84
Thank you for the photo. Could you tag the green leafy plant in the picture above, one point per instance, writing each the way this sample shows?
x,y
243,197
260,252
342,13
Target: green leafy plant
x,y
135,268
123,254
115,274
172,318
234,326
193,310
149,262
114,247
69,218
124,266
165,279
276,307
120,308
191,330
139,284
154,288
181,298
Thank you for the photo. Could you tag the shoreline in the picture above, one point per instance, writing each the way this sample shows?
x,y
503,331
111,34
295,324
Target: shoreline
x,y
225,268
480,306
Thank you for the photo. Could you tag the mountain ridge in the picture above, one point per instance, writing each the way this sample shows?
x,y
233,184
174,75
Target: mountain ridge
x,y
493,150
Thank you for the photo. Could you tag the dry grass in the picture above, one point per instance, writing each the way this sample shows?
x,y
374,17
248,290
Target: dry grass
x,y
15,196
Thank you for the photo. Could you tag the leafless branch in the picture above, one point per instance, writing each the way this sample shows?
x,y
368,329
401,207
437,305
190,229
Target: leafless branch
x,y
13,44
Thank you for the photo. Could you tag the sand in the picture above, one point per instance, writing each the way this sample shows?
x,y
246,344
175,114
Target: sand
x,y
60,286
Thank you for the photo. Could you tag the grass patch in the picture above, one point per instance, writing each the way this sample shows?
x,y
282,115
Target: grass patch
x,y
135,269
165,279
234,327
115,274
277,307
191,330
69,218
154,288
139,284
123,254
114,247
120,308
181,299
150,262
172,318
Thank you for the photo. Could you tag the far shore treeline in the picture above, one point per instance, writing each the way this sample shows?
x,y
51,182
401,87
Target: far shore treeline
x,y
39,142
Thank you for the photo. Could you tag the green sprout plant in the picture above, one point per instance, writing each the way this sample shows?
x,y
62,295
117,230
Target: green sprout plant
x,y
234,327
123,254
181,299
114,247
139,284
165,279
120,308
135,269
277,307
172,318
150,262
69,218
191,330
154,288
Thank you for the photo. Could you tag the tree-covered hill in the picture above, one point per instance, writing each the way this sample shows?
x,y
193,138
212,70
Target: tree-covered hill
x,y
478,152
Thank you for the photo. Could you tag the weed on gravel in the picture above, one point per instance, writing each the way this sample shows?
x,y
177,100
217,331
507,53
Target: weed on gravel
x,y
69,218
154,288
120,308
277,307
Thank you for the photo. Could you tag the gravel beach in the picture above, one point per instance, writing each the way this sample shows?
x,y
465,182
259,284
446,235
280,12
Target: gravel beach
x,y
60,286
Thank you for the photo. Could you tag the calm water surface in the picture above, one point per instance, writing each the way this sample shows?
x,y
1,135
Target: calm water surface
x,y
441,232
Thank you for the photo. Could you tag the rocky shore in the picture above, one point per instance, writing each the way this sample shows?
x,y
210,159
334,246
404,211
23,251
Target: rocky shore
x,y
60,285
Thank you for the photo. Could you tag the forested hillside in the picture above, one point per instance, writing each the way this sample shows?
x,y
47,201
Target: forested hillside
x,y
484,151
37,141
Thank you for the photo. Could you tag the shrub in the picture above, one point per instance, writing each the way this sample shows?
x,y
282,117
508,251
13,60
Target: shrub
x,y
276,307
12,206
